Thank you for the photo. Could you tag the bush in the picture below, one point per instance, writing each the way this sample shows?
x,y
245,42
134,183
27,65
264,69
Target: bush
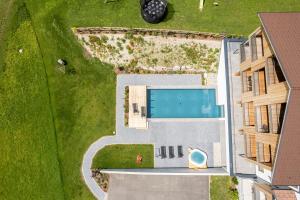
x,y
234,180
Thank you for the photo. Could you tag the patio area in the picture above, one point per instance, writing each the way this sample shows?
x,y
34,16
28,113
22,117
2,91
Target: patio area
x,y
207,134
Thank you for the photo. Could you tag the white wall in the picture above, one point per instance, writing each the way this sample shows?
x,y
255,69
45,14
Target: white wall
x,y
265,175
245,189
221,79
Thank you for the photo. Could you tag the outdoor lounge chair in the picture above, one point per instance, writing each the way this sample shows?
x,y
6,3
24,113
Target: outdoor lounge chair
x,y
163,152
179,151
171,152
143,111
135,108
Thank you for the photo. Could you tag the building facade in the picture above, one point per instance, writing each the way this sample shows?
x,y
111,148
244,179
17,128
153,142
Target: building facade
x,y
269,65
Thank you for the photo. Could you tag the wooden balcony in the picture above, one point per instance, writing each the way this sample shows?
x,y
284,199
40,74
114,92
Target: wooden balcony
x,y
247,97
277,93
267,166
264,188
249,130
245,65
267,138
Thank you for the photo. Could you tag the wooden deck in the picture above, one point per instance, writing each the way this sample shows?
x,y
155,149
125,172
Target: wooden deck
x,y
137,103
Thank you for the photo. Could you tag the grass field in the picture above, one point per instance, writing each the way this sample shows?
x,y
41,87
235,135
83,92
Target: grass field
x,y
231,17
124,156
47,118
29,166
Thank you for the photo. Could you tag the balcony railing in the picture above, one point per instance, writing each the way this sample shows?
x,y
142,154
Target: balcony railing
x,y
256,44
244,51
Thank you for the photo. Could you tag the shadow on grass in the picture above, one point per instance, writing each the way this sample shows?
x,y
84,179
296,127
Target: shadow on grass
x,y
170,12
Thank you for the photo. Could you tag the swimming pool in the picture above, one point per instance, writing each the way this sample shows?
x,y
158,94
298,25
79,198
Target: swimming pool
x,y
183,103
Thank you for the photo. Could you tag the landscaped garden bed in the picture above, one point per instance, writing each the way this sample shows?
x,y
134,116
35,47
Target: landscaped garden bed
x,y
223,187
153,51
126,106
101,178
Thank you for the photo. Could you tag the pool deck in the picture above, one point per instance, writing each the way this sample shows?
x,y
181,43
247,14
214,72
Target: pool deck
x,y
205,134
137,96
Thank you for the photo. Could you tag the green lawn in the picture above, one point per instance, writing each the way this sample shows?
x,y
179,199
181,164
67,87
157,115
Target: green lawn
x,y
231,16
124,156
29,168
48,119
220,188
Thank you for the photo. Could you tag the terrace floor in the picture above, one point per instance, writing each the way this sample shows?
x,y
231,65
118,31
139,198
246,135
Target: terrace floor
x,y
205,134
240,164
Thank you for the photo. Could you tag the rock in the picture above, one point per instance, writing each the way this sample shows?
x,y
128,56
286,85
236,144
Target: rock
x,y
61,62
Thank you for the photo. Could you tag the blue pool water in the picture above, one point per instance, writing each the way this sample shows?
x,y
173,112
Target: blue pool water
x,y
183,103
197,157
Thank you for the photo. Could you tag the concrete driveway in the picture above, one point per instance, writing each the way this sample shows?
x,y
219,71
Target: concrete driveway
x,y
158,187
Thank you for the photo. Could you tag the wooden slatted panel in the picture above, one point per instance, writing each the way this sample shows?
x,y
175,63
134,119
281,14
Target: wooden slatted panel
x,y
262,82
272,76
266,46
260,152
258,124
251,114
259,46
275,111
267,153
250,146
255,84
273,153
264,119
253,48
246,114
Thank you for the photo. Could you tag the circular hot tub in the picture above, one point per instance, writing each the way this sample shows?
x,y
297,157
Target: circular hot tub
x,y
153,11
198,158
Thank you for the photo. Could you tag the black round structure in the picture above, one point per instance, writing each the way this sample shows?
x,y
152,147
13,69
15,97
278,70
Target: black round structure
x,y
154,11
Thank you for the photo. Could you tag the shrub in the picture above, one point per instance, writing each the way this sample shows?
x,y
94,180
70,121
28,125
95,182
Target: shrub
x,y
104,38
128,35
234,180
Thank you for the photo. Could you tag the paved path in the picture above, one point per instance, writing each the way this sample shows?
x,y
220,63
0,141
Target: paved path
x,y
92,151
